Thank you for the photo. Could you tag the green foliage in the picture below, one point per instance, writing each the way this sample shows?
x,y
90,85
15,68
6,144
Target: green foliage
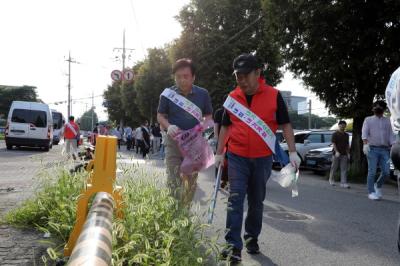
x,y
154,75
8,94
86,120
215,32
301,121
155,230
53,206
345,52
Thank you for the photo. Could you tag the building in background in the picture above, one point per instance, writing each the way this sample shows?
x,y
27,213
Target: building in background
x,y
292,101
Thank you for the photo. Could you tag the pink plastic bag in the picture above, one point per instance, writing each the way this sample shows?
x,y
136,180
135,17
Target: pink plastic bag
x,y
197,154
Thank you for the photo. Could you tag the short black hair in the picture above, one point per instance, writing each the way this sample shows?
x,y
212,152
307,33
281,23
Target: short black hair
x,y
380,103
342,122
71,118
183,63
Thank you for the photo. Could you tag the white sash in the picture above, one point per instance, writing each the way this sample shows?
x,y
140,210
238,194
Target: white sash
x,y
71,127
183,103
252,120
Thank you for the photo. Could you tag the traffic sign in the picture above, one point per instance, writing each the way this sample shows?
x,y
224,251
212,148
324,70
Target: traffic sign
x,y
128,75
116,75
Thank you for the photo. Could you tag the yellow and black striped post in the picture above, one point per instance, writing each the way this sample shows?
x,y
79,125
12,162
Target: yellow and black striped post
x,y
94,245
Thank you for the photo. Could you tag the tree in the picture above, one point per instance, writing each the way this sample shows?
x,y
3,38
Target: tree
x,y
217,31
8,94
88,120
301,121
343,50
154,75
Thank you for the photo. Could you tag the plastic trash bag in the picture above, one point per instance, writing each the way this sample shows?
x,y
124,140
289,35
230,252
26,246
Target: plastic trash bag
x,y
287,177
197,154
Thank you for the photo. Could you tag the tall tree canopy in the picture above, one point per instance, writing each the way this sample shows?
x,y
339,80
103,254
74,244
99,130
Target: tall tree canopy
x,y
153,76
88,120
215,32
8,94
343,50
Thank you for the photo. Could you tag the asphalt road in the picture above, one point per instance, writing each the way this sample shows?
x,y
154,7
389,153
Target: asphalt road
x,y
323,226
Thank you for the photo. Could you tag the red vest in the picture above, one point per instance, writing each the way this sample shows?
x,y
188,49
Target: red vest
x,y
68,133
243,140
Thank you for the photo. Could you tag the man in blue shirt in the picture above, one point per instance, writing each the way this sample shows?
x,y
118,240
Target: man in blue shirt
x,y
174,118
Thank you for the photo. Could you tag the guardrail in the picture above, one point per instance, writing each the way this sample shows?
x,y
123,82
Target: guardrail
x,y
94,245
90,240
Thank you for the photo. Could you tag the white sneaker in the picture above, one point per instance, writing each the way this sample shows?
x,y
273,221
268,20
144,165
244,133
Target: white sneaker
x,y
332,183
345,185
378,191
373,196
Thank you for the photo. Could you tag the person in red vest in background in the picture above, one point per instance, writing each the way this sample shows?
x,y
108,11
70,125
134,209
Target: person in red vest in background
x,y
71,131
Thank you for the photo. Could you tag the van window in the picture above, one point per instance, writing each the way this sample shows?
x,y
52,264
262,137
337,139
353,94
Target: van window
x,y
35,117
57,120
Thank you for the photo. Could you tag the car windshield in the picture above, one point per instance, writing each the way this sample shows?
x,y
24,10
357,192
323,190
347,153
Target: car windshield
x,y
34,117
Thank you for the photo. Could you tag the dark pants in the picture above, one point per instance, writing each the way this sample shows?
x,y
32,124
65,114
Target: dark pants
x,y
144,148
128,143
246,176
139,144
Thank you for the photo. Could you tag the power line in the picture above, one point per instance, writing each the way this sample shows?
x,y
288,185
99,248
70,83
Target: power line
x,y
231,38
139,29
77,99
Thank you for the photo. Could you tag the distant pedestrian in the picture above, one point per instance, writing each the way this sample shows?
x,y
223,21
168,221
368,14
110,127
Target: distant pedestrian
x,y
71,131
341,155
139,139
378,137
146,138
156,132
128,137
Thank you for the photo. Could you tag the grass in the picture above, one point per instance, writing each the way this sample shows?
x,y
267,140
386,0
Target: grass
x,y
155,230
1,136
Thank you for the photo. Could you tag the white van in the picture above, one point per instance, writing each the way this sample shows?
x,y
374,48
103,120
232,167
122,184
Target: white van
x,y
29,124
58,123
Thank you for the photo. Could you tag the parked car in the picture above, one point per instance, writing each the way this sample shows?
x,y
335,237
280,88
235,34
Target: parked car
x,y
29,124
319,160
309,140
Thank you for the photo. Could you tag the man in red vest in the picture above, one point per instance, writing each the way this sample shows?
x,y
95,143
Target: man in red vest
x,y
71,131
249,153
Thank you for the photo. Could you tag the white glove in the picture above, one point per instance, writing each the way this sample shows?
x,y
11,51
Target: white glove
x,y
172,130
366,149
219,160
337,154
294,159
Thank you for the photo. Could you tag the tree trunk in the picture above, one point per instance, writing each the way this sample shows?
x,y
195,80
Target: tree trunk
x,y
358,164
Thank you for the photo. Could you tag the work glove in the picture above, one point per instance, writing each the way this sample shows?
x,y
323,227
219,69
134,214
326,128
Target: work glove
x,y
337,154
172,130
219,160
294,159
366,149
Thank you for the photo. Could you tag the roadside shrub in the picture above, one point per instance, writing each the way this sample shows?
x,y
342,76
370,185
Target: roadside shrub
x,y
155,229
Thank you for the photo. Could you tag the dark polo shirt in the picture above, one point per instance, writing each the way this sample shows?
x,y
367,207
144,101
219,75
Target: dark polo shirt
x,y
179,117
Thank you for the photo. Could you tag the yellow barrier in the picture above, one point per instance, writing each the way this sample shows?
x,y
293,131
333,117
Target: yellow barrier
x,y
94,245
102,175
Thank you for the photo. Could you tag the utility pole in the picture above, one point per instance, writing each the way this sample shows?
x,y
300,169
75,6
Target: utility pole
x,y
123,49
92,109
69,60
309,114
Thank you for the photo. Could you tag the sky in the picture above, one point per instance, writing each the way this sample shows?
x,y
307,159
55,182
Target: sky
x,y
38,35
